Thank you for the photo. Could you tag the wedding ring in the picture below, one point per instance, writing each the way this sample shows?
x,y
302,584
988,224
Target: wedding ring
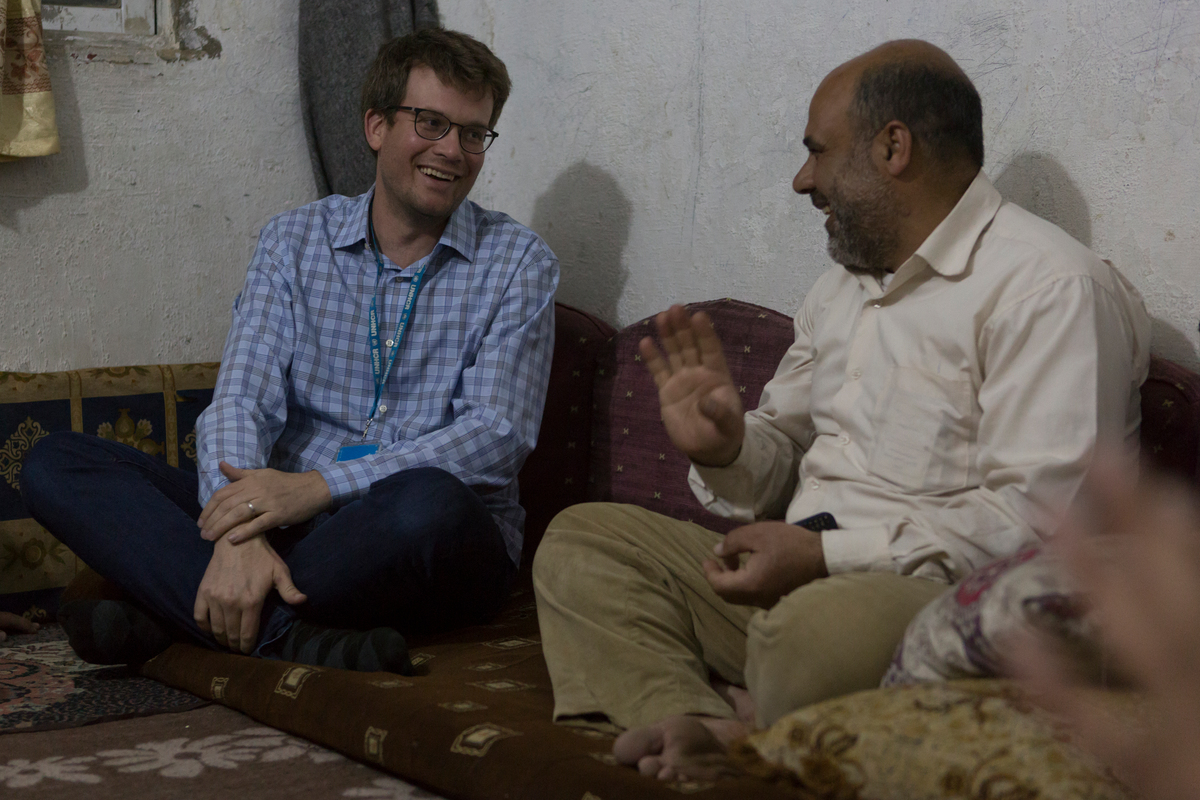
x,y
250,506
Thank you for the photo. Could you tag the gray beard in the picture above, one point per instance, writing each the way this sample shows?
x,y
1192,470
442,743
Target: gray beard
x,y
865,237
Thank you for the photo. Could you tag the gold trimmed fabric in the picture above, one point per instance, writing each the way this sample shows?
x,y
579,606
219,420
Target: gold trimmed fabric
x,y
153,408
27,124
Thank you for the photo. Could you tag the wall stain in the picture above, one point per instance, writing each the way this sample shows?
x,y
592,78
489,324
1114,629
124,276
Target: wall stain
x,y
194,41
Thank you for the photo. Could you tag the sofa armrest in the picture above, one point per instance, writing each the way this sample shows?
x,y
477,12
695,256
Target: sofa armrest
x,y
1171,419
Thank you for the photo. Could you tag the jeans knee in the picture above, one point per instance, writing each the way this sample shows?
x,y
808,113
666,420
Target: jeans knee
x,y
43,464
429,500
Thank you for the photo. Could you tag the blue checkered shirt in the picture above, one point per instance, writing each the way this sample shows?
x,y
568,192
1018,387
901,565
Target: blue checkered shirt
x,y
467,388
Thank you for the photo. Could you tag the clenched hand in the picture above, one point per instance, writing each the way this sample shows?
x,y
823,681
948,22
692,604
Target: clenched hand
x,y
782,557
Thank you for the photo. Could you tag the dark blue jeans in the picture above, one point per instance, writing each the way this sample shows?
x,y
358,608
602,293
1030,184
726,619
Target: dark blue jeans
x,y
419,552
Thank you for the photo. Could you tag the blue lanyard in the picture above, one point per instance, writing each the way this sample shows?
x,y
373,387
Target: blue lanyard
x,y
380,370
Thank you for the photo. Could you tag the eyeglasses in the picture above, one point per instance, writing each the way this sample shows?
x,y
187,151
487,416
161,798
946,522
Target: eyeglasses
x,y
434,125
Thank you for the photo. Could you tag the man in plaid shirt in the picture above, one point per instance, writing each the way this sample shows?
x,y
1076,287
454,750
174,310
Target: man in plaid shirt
x,y
381,386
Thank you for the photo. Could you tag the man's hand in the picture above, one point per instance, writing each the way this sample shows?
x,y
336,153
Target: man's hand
x,y
1133,547
782,557
700,405
12,623
257,500
231,594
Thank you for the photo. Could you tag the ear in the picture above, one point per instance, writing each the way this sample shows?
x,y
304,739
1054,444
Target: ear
x,y
894,148
374,126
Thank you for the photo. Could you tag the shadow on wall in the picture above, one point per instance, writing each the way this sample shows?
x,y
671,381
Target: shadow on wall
x,y
1038,183
27,181
584,217
1169,342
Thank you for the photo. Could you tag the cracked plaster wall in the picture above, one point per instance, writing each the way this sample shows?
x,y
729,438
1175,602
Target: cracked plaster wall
x,y
652,144
129,246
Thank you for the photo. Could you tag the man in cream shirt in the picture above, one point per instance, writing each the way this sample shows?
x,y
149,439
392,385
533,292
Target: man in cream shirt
x,y
942,400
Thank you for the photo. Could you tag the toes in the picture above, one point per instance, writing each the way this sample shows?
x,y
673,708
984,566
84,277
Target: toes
x,y
650,766
631,746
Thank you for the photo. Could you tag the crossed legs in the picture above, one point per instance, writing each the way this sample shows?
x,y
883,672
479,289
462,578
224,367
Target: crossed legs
x,y
419,552
633,632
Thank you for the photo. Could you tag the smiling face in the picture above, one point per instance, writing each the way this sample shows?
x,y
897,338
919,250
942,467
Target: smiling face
x,y
842,180
420,181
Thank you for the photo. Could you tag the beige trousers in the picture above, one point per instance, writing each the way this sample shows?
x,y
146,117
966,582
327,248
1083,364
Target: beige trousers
x,y
631,628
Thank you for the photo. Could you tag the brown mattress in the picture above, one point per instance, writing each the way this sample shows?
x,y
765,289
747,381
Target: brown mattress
x,y
475,724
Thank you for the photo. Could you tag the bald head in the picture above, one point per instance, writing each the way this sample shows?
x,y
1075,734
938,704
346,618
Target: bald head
x,y
920,85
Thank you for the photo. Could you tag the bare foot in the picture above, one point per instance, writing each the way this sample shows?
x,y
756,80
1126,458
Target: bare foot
x,y
679,748
12,623
738,698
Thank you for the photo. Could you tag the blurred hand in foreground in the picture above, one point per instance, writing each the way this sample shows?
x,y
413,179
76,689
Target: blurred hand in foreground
x,y
1134,548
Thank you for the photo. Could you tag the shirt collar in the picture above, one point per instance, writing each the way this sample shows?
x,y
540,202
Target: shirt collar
x,y
949,247
459,234
352,228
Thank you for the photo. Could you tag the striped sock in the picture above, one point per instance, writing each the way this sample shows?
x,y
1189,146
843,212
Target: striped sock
x,y
112,631
377,650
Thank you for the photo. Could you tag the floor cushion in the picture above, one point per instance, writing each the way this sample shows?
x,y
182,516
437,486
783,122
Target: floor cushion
x,y
153,408
968,739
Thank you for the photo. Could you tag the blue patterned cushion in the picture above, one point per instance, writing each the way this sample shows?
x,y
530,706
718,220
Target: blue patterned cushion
x,y
153,408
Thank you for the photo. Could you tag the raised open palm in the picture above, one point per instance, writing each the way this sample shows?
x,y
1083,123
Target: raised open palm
x,y
700,405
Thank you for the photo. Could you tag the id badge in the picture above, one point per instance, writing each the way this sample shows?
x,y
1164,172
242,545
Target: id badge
x,y
351,452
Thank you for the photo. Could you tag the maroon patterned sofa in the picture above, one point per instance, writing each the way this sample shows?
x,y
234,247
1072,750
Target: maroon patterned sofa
x,y
476,723
612,437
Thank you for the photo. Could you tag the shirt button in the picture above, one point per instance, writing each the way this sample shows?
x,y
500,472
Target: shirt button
x,y
844,439
382,409
390,342
877,305
856,373
814,484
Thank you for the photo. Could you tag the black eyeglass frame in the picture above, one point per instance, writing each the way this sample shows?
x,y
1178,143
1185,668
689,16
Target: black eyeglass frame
x,y
416,112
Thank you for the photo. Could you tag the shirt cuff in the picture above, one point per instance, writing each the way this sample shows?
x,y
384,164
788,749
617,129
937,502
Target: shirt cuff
x,y
719,488
857,550
343,481
733,475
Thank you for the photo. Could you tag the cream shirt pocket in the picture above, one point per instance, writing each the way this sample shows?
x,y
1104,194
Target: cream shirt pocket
x,y
925,430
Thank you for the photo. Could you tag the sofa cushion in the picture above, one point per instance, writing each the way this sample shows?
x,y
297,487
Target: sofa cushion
x,y
153,408
555,474
973,738
1170,435
963,632
633,460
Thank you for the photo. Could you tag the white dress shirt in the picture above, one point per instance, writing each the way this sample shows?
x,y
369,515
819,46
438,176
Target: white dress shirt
x,y
946,419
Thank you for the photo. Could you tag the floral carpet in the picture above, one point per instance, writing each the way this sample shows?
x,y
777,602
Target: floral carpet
x,y
44,685
74,730
209,753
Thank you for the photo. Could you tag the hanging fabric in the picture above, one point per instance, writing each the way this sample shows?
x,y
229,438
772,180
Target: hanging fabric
x,y
27,125
338,42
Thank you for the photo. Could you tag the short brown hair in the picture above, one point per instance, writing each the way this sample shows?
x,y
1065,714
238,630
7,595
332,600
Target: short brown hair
x,y
456,58
941,108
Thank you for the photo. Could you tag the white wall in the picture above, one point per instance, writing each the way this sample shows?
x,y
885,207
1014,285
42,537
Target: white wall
x,y
653,144
128,247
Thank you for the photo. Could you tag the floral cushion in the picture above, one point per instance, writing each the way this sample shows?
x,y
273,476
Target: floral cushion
x,y
964,739
961,634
